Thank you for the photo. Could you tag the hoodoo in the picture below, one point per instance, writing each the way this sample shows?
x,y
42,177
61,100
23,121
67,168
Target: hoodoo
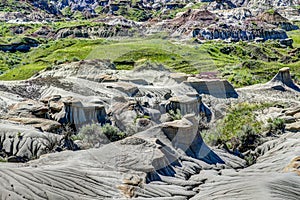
x,y
282,80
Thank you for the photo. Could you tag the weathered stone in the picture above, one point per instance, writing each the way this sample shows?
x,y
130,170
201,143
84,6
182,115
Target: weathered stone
x,y
297,115
39,123
292,111
283,77
214,87
293,127
288,119
294,166
27,109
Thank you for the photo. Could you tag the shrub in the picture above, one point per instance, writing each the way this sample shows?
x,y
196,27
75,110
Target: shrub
x,y
237,117
112,132
75,59
239,130
248,138
275,126
95,135
175,115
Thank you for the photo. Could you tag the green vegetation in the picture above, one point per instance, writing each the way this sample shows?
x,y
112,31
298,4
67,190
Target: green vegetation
x,y
175,115
134,13
131,53
141,117
94,134
112,132
170,14
271,11
15,6
13,33
295,35
8,61
245,64
241,63
239,129
67,11
239,116
51,53
275,126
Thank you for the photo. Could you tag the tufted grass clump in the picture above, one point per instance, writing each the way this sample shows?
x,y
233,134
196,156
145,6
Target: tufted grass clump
x,y
239,129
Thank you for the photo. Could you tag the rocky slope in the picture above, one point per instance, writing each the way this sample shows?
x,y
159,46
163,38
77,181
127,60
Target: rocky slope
x,y
225,20
85,130
165,159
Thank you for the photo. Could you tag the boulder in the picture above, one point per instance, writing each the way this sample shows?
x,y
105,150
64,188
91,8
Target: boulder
x,y
293,166
288,119
292,111
282,80
21,143
28,108
294,127
127,88
297,115
215,87
185,104
39,123
287,42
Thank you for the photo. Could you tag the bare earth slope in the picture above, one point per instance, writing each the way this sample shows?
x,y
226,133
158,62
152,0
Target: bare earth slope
x,y
163,160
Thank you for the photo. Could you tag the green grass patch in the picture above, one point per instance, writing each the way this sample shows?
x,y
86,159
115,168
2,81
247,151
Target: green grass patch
x,y
241,63
295,35
239,122
52,53
23,72
238,116
130,53
170,14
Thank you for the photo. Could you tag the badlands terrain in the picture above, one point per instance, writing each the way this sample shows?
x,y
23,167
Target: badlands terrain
x,y
149,99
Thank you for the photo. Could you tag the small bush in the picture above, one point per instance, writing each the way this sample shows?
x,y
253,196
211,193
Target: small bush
x,y
275,126
75,59
239,130
95,135
248,139
112,132
175,115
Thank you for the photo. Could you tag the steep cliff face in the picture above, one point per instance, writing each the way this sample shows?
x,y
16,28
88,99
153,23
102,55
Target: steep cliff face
x,y
262,4
102,31
210,25
237,35
20,143
272,3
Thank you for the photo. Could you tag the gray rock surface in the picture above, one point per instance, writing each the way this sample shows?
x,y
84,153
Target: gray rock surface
x,y
164,159
24,142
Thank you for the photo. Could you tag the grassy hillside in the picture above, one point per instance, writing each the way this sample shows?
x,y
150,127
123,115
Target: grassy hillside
x,y
241,63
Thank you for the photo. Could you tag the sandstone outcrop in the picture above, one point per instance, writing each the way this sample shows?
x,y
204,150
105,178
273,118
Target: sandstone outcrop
x,y
283,80
24,143
161,158
294,127
169,161
214,87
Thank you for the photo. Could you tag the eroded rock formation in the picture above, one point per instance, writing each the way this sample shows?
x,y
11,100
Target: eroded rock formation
x,y
164,158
